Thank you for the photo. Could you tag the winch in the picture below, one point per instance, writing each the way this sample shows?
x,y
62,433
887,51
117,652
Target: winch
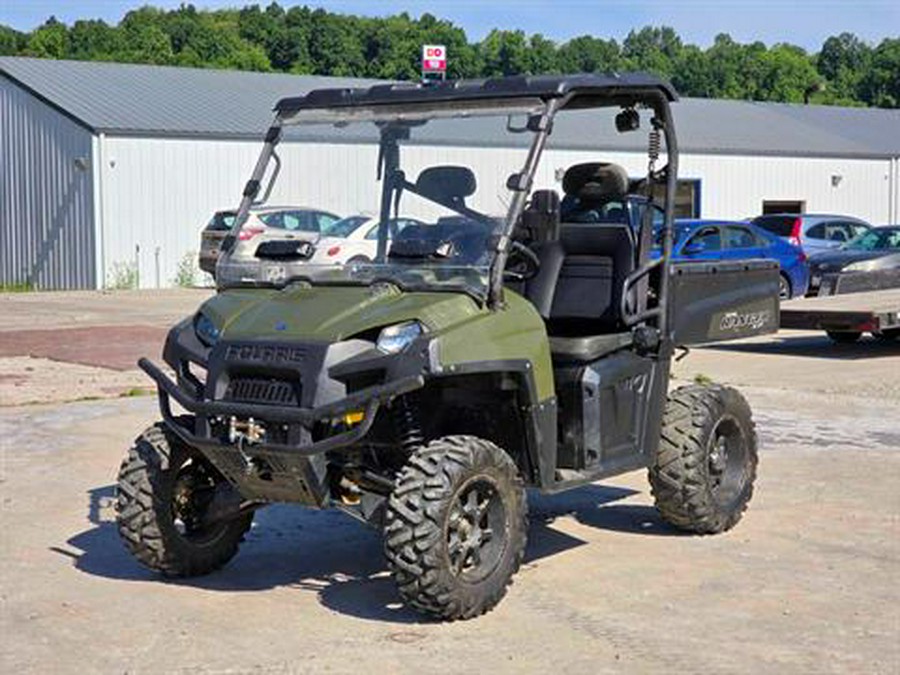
x,y
249,431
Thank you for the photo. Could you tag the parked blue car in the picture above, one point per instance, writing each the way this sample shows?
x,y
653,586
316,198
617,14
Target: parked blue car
x,y
726,240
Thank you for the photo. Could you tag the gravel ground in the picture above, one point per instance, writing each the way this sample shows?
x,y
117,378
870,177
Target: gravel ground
x,y
807,582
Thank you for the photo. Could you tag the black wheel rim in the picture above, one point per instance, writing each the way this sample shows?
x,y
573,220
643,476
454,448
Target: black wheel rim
x,y
727,462
192,494
476,530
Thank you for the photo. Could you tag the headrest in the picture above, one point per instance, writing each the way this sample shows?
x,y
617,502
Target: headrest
x,y
595,179
446,183
544,201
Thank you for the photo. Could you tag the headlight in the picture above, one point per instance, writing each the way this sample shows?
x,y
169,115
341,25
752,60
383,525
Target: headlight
x,y
861,266
394,339
206,330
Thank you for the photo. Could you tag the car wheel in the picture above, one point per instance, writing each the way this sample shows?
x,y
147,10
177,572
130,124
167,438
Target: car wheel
x,y
784,287
844,337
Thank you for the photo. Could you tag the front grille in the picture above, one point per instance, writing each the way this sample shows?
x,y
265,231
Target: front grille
x,y
263,390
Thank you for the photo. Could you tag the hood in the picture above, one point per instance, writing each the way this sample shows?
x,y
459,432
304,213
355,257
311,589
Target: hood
x,y
834,261
331,313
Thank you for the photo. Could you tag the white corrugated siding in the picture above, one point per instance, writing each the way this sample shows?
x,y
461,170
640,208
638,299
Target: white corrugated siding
x,y
46,200
158,193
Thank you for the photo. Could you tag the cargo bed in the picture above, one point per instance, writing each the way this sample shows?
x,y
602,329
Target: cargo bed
x,y
869,312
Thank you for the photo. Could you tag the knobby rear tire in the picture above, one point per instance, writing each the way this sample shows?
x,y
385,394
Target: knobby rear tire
x,y
683,477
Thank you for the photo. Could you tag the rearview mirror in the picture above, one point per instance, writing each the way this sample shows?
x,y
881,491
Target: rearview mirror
x,y
628,120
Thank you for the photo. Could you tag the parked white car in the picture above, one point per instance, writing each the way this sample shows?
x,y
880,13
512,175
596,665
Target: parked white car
x,y
263,224
354,239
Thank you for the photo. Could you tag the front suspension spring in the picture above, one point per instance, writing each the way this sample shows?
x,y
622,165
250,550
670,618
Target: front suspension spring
x,y
406,421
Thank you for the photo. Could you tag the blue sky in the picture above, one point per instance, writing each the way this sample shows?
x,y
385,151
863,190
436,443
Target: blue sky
x,y
802,22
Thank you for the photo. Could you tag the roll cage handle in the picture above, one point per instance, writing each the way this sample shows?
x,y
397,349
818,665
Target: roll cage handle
x,y
270,184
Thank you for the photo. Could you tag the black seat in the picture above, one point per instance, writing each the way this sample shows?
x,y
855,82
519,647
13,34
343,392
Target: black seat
x,y
578,288
588,348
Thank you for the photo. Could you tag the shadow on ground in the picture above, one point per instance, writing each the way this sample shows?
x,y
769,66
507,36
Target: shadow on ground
x,y
339,558
814,346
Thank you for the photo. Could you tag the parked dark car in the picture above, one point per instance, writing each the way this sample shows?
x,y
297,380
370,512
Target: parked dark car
x,y
811,231
726,240
875,250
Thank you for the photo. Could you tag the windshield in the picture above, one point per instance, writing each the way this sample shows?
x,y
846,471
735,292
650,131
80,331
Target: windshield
x,y
441,204
345,226
876,240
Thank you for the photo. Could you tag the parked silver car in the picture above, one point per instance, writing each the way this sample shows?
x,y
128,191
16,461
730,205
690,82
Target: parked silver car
x,y
263,224
812,232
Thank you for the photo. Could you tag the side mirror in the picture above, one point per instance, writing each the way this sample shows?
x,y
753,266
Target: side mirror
x,y
694,248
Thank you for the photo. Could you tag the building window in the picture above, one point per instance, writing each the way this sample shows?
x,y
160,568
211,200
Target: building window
x,y
783,206
687,197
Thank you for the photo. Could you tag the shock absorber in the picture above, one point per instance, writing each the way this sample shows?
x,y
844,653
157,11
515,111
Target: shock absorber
x,y
654,144
406,421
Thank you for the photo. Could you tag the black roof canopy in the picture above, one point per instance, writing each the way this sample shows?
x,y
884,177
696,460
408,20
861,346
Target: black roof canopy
x,y
612,88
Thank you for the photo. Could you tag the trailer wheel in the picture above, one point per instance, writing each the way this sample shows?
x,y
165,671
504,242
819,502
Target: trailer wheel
x,y
844,337
889,335
455,527
702,479
164,492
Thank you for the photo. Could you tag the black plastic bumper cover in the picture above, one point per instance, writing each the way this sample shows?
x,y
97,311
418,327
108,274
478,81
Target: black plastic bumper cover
x,y
369,399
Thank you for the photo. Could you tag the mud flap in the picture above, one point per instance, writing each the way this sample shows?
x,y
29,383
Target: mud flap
x,y
718,301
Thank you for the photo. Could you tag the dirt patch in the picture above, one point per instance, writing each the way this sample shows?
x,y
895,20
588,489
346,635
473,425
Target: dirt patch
x,y
24,380
114,347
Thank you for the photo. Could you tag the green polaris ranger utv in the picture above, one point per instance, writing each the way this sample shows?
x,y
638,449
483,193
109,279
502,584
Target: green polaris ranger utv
x,y
503,335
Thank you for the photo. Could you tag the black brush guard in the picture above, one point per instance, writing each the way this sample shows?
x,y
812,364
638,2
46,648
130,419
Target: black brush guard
x,y
273,471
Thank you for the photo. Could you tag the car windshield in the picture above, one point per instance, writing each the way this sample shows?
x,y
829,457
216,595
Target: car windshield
x,y
345,226
453,198
876,240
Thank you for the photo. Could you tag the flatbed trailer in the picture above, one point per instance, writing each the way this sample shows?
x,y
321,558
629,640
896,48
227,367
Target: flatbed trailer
x,y
851,313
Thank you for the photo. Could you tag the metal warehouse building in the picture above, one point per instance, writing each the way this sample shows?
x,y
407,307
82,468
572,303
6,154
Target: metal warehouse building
x,y
110,164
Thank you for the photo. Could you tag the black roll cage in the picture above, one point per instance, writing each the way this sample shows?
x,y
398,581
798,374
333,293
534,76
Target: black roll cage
x,y
564,93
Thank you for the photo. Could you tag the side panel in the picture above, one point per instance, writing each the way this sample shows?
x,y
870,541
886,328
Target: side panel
x,y
716,301
609,412
46,195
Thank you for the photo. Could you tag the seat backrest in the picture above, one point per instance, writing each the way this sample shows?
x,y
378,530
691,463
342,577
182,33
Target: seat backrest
x,y
578,288
540,220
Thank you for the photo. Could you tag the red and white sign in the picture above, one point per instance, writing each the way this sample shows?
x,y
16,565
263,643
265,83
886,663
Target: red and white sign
x,y
434,58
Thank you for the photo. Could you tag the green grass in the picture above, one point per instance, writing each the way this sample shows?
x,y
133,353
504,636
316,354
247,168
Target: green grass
x,y
134,392
18,287
700,378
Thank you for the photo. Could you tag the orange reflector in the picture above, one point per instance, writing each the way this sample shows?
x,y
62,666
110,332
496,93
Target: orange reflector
x,y
352,418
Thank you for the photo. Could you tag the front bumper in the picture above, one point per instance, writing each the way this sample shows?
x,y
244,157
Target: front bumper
x,y
369,400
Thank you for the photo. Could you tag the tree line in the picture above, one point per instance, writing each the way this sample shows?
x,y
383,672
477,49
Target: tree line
x,y
846,71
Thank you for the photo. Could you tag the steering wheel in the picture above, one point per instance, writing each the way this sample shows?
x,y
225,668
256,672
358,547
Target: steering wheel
x,y
522,264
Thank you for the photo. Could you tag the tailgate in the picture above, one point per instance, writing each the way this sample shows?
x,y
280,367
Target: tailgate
x,y
722,300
